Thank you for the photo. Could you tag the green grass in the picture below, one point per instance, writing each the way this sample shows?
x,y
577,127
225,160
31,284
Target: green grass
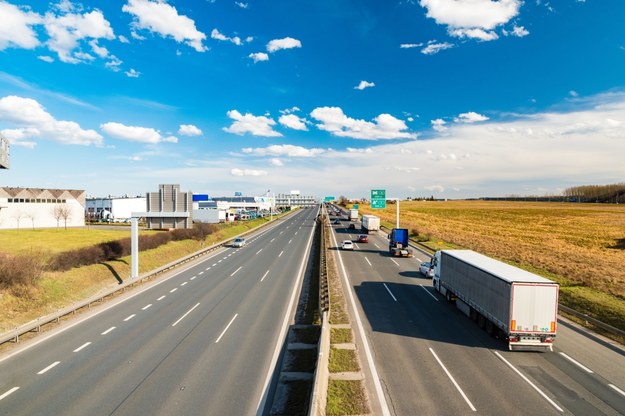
x,y
341,336
343,360
346,397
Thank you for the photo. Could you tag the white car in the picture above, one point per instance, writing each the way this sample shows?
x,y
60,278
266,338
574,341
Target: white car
x,y
238,242
347,245
426,269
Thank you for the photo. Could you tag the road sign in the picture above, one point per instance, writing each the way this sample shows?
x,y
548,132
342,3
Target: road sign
x,y
355,206
378,194
329,198
378,203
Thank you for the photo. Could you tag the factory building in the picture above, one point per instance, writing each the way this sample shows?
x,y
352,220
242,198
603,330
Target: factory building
x,y
114,209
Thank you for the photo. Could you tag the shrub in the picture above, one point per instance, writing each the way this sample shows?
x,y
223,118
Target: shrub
x,y
20,270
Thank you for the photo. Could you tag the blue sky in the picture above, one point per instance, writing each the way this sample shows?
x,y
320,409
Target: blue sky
x,y
451,98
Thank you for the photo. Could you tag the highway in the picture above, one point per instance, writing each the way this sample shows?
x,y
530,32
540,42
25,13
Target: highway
x,y
204,340
432,360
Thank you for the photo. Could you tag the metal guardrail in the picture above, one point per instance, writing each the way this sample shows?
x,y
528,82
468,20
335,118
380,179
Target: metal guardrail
x,y
35,325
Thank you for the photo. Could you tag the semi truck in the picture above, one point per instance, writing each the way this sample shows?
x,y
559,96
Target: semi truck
x,y
353,214
508,302
398,243
370,224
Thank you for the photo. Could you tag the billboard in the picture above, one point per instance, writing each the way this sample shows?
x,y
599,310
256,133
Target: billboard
x,y
4,153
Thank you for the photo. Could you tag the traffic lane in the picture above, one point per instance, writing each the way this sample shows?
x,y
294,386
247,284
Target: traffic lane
x,y
414,325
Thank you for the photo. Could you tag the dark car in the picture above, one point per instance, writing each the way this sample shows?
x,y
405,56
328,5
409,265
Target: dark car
x,y
352,226
363,238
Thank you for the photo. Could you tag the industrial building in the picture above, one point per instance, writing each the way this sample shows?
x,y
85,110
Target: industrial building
x,y
168,208
114,209
41,208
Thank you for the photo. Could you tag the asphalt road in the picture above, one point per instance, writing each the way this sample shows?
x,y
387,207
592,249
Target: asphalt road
x,y
432,360
202,341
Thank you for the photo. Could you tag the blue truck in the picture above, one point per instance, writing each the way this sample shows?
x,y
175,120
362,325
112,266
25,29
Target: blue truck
x,y
398,243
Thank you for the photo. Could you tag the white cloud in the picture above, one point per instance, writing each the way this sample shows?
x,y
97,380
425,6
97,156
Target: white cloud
x,y
410,45
439,125
101,51
44,58
284,43
518,31
133,73
293,122
249,123
162,18
470,117
32,120
16,27
434,47
66,31
215,34
247,172
474,33
189,130
135,134
466,14
241,4
276,162
259,56
284,150
384,126
363,85
123,39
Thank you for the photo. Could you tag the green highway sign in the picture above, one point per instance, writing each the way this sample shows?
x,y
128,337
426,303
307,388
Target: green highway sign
x,y
378,203
378,198
329,198
355,206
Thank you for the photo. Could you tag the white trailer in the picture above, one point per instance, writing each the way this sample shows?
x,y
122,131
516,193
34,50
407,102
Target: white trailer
x,y
353,214
370,224
505,300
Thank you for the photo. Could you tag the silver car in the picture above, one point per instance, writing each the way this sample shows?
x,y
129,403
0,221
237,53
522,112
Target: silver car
x,y
426,269
238,242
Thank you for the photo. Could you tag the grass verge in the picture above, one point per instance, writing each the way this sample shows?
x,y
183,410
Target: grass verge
x,y
343,361
346,397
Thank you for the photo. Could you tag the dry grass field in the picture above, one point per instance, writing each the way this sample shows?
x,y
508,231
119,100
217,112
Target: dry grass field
x,y
582,246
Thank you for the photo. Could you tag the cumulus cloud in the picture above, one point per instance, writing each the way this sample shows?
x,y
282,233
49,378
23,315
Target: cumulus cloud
x,y
16,28
163,19
435,47
293,122
249,123
247,172
439,125
259,56
133,73
363,85
276,162
215,34
66,31
472,18
518,31
189,130
31,120
284,150
135,134
284,43
384,126
470,117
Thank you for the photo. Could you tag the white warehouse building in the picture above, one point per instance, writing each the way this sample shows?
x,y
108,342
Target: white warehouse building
x,y
41,208
115,209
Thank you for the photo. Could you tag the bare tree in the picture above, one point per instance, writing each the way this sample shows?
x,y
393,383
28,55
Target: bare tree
x,y
31,215
61,212
18,217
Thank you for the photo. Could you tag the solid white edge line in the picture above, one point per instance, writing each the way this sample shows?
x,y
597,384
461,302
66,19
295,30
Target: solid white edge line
x,y
185,315
85,345
368,261
580,365
235,272
389,292
226,328
428,292
50,367
13,390
621,392
108,330
265,275
466,399
285,323
365,342
529,382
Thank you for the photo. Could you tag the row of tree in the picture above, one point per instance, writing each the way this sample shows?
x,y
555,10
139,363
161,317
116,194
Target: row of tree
x,y
614,193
